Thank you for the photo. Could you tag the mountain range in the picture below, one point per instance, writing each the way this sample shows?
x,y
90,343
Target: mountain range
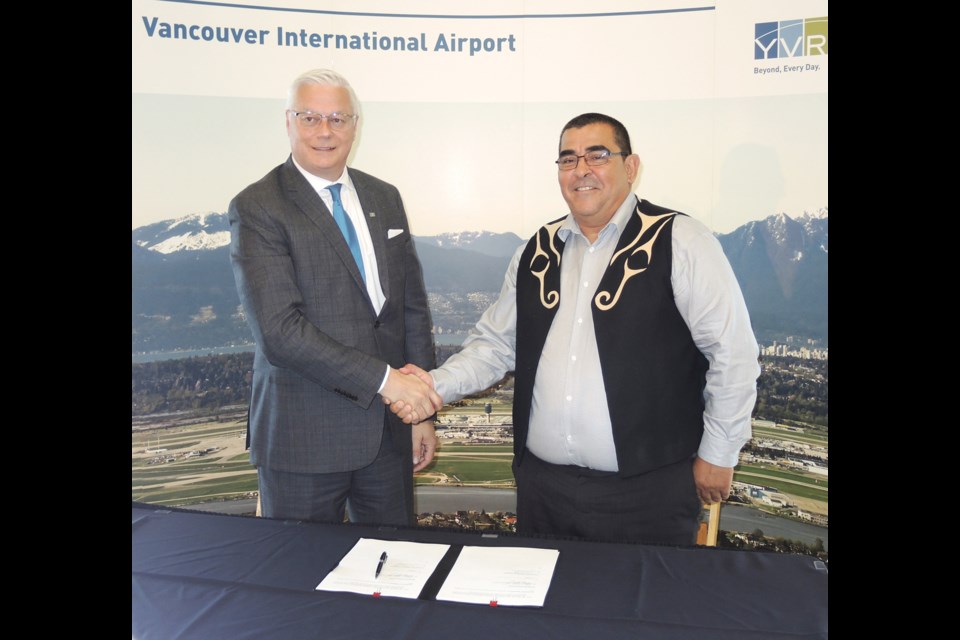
x,y
184,295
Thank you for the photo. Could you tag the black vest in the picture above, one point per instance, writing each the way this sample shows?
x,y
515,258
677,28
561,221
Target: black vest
x,y
653,373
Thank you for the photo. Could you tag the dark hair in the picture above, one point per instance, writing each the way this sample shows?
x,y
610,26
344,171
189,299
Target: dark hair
x,y
619,131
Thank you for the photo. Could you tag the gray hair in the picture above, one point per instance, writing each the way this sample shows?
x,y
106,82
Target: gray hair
x,y
324,77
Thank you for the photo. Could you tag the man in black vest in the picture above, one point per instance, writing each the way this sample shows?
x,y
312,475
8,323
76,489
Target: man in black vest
x,y
634,360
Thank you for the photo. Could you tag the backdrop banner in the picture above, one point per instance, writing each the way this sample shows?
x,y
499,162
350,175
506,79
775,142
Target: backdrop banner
x,y
463,103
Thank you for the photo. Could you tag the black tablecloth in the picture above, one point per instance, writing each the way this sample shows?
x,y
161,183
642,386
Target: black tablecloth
x,y
211,576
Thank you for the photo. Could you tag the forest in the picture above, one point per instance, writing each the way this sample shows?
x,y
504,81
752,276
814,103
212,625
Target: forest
x,y
790,390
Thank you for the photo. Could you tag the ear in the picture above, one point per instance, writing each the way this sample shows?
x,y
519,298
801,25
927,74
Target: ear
x,y
633,167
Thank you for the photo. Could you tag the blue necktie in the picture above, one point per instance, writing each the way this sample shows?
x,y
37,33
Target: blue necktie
x,y
346,227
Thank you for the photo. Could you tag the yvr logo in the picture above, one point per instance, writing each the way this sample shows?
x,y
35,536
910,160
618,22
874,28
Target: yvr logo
x,y
790,38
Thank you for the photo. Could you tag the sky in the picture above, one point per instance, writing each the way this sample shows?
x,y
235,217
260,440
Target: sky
x,y
725,161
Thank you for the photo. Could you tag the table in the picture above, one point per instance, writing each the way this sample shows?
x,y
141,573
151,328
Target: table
x,y
210,576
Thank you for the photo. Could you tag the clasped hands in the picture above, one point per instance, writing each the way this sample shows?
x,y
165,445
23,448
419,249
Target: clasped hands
x,y
410,395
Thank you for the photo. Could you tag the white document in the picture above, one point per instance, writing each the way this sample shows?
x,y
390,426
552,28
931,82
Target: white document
x,y
407,568
512,576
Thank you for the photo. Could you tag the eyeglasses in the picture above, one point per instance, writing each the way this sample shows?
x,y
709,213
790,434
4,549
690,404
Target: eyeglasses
x,y
337,121
592,158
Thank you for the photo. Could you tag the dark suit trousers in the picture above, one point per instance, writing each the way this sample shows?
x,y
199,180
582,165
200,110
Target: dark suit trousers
x,y
380,493
660,506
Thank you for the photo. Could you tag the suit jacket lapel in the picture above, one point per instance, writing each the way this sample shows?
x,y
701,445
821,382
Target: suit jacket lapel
x,y
305,197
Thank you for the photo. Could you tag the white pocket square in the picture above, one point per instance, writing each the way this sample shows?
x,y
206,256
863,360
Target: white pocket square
x,y
393,233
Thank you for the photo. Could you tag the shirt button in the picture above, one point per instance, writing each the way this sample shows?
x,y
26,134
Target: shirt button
x,y
591,249
586,284
579,320
569,398
574,358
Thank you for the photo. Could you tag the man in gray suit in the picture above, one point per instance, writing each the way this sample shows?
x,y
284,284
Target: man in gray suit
x,y
333,291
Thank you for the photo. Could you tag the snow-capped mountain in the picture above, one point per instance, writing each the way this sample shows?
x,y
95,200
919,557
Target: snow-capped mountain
x,y
184,293
199,231
781,264
486,242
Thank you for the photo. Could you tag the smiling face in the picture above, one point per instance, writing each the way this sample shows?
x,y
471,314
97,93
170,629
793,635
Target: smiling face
x,y
321,150
595,193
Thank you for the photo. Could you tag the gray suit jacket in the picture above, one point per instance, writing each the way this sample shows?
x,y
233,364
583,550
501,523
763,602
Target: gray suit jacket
x,y
321,349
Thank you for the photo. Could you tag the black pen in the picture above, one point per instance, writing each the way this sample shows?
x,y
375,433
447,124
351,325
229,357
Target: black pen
x,y
383,558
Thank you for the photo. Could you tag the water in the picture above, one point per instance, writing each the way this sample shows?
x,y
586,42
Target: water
x,y
732,517
450,499
432,499
154,356
744,519
176,355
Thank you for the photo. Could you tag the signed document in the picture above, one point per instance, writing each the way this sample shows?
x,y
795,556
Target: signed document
x,y
406,568
509,576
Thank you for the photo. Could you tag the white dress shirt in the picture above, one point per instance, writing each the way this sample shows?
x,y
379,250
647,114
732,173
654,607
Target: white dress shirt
x,y
351,205
569,418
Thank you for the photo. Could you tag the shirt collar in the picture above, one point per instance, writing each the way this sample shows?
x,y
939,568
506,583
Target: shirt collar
x,y
319,184
614,226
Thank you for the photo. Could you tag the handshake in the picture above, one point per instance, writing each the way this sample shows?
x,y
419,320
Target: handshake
x,y
410,395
